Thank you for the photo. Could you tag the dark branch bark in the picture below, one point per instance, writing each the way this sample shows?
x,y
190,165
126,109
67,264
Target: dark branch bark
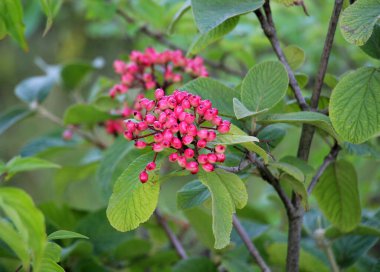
x,y
173,239
269,29
249,244
160,37
326,162
326,53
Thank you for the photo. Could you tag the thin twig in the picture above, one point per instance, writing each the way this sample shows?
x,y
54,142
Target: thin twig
x,y
326,162
249,244
173,239
326,53
269,29
235,169
160,37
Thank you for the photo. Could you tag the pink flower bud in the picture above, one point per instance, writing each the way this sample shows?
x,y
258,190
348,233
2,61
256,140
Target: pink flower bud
x,y
211,136
165,143
158,137
186,104
202,134
119,66
181,161
221,157
140,144
150,166
217,121
137,115
187,140
220,148
189,153
208,167
192,166
202,159
192,130
176,143
67,135
173,157
168,135
183,127
201,143
172,102
212,158
150,105
162,118
150,118
159,93
142,126
128,135
157,147
178,110
194,100
189,118
130,125
143,176
223,129
157,125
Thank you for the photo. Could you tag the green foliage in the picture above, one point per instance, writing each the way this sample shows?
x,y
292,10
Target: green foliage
x,y
184,8
338,196
210,14
207,38
50,8
354,104
358,21
85,114
220,95
65,234
227,193
35,89
295,56
264,86
192,195
20,164
132,202
72,74
372,46
195,265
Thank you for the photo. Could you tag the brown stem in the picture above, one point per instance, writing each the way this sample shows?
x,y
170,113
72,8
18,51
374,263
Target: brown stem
x,y
249,244
333,154
269,29
173,239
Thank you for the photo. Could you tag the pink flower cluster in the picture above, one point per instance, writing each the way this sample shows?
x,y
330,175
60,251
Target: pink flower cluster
x,y
175,122
143,68
150,70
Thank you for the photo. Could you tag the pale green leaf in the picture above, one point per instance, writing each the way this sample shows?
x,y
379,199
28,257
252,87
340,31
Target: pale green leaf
x,y
23,164
73,74
205,39
195,264
227,192
201,222
312,118
242,112
191,195
132,202
210,14
230,139
65,234
289,169
184,8
338,196
50,8
298,187
333,232
35,88
357,21
295,56
354,105
264,86
219,94
85,115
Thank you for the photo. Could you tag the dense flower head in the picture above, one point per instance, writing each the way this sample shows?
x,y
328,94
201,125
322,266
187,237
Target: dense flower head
x,y
150,70
182,122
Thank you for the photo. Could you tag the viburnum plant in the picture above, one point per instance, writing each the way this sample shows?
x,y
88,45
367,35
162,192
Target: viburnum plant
x,y
270,170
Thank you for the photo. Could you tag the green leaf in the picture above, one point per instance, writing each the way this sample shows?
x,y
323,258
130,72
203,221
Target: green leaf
x,y
191,195
201,222
230,139
298,187
132,202
227,192
273,134
338,196
45,144
15,241
184,8
115,160
289,169
106,103
85,115
72,74
20,164
27,220
312,118
295,56
333,232
205,39
65,234
220,95
11,15
51,256
34,89
264,85
357,21
248,145
195,264
354,105
210,14
50,8
13,116
308,262
241,111
372,46
330,80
